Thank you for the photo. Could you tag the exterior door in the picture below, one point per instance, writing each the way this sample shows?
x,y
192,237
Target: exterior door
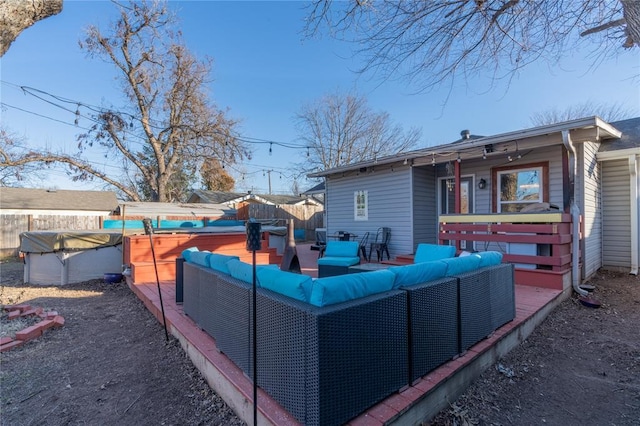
x,y
447,197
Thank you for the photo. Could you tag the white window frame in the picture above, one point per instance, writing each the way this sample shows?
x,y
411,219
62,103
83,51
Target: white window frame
x,y
361,205
541,183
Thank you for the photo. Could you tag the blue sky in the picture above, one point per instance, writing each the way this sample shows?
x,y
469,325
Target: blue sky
x,y
264,71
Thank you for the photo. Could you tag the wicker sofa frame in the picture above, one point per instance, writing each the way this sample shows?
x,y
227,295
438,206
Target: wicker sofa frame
x,y
326,365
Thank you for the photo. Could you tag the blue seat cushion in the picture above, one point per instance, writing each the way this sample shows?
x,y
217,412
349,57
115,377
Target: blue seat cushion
x,y
186,253
418,273
296,286
428,252
218,262
342,249
244,271
341,288
489,258
339,261
460,265
200,258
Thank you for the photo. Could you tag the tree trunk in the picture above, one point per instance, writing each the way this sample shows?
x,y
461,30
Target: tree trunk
x,y
631,13
16,15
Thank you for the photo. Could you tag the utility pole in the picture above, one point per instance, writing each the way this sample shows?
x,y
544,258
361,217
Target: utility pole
x,y
268,172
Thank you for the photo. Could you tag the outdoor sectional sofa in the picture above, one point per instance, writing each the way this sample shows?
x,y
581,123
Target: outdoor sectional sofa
x,y
329,348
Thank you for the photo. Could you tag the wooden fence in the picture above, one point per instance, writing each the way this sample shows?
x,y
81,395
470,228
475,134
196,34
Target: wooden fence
x,y
12,225
306,218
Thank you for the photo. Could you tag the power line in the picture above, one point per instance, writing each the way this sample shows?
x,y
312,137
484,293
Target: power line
x,y
32,92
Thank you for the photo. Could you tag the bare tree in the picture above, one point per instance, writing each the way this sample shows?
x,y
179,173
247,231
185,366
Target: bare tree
x,y
167,130
608,112
12,145
430,42
342,129
295,187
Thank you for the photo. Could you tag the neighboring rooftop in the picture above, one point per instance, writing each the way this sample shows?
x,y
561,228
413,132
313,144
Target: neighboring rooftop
x,y
52,199
230,198
138,208
630,137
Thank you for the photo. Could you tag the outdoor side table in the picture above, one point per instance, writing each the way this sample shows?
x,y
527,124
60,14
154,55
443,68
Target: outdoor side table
x,y
367,267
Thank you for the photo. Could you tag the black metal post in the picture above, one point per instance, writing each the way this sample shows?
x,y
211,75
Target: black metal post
x,y
254,243
148,229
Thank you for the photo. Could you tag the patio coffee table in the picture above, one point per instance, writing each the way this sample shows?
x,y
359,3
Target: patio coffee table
x,y
367,267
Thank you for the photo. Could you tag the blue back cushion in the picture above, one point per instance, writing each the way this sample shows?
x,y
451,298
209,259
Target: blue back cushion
x,y
460,265
240,270
200,258
489,258
297,286
340,288
429,252
418,273
244,271
342,249
218,262
186,253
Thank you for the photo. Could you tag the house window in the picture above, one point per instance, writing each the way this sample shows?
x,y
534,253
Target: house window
x,y
361,205
517,187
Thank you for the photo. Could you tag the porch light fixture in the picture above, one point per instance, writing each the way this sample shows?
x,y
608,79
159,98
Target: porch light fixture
x,y
450,184
482,184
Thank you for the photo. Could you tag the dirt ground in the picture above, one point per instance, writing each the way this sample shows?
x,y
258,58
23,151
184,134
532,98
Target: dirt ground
x,y
110,364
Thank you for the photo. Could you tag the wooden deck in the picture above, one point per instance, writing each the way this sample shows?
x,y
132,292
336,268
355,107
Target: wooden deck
x,y
413,405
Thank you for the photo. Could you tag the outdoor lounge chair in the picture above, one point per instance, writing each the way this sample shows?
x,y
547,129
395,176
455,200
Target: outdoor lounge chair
x,y
339,255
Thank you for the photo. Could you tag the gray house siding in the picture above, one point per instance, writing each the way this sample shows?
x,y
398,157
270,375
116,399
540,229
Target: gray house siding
x,y
588,196
616,215
481,169
425,225
390,205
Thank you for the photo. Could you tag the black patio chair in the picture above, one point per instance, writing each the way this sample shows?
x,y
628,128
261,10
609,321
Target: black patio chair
x,y
381,244
321,243
363,245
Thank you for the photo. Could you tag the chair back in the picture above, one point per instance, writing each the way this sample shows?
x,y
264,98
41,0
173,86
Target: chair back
x,y
364,239
342,249
383,235
386,235
321,237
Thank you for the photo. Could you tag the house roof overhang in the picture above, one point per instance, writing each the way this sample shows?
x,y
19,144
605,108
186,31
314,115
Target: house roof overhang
x,y
584,129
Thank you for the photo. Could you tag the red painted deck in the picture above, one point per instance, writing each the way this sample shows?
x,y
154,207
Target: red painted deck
x,y
423,399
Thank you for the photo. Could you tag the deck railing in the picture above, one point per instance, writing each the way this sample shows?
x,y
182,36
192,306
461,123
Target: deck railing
x,y
539,242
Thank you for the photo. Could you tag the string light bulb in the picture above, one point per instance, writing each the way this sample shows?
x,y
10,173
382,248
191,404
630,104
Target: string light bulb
x,y
459,160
